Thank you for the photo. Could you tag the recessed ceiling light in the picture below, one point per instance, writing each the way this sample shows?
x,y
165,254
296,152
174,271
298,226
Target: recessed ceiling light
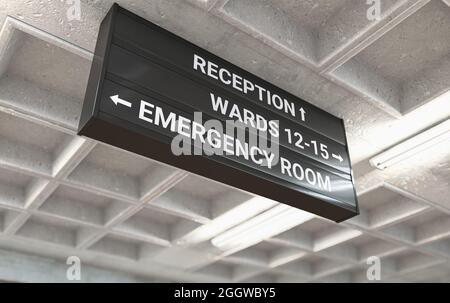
x,y
268,224
412,146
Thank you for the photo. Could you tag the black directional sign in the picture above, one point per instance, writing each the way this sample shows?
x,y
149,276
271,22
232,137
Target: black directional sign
x,y
155,94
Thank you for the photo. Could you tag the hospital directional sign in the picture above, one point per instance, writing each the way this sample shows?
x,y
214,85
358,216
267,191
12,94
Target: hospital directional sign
x,y
151,92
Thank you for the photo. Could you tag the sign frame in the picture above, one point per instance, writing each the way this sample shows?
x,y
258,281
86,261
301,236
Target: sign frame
x,y
102,126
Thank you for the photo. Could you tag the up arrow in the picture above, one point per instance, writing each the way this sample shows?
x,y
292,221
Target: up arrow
x,y
303,112
338,157
117,100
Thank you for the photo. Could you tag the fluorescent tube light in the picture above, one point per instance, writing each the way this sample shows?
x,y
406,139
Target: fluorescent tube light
x,y
268,224
225,220
411,147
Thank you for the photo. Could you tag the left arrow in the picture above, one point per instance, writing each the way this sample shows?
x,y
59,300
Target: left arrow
x,y
117,100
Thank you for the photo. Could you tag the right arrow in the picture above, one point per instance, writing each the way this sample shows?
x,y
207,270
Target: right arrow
x,y
117,100
338,157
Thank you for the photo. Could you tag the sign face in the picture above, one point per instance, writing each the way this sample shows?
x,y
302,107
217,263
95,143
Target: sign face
x,y
157,95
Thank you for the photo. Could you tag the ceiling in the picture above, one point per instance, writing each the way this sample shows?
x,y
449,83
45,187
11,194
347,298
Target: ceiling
x,y
133,219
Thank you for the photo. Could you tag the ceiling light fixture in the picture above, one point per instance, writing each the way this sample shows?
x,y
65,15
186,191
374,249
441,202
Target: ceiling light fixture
x,y
268,224
412,146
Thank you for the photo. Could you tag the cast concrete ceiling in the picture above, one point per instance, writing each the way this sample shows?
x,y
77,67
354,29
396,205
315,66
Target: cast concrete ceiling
x,y
132,219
